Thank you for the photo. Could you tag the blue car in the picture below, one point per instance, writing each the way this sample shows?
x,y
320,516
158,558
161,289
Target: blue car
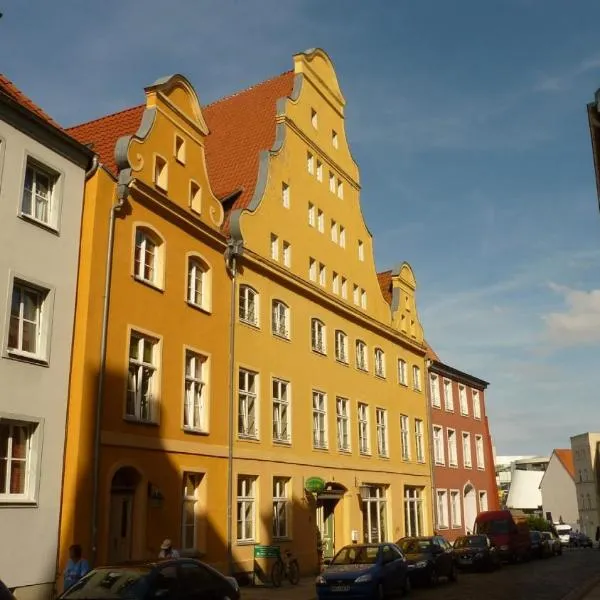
x,y
365,572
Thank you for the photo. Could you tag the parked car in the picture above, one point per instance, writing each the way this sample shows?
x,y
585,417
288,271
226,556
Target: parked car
x,y
476,552
178,579
429,558
564,533
364,571
553,543
537,544
508,531
5,593
580,540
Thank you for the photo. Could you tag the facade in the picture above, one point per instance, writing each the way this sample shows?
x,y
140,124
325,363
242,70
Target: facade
x,y
559,497
313,420
464,477
585,465
42,173
504,469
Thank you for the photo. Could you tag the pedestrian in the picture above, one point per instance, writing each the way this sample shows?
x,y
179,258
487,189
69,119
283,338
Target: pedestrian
x,y
76,568
598,536
167,550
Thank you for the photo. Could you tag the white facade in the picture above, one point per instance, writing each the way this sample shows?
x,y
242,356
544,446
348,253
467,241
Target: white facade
x,y
42,174
558,493
524,493
585,450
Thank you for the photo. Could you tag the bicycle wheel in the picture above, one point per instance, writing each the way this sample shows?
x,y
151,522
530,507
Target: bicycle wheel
x,y
294,572
277,573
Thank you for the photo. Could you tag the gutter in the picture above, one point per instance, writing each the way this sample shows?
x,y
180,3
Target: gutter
x,y
428,364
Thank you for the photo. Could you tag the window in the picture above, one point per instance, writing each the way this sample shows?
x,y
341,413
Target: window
x,y
466,448
189,514
287,254
331,182
274,247
27,321
438,445
17,460
334,231
361,356
281,411
442,508
342,237
455,511
420,442
247,403
322,274
405,437
479,452
355,295
143,376
39,194
314,119
434,387
318,339
361,251
342,415
334,139
341,347
363,428
310,163
476,404
319,171
375,515
448,396
379,362
363,299
179,149
344,288
246,508
319,420
417,378
146,257
381,424
336,283
462,400
280,319
195,197
340,189
452,454
402,374
285,195
160,173
312,269
196,288
320,221
413,511
280,507
194,405
248,308
311,214
483,503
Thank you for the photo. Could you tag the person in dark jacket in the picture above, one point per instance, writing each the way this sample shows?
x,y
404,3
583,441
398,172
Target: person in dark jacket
x,y
598,536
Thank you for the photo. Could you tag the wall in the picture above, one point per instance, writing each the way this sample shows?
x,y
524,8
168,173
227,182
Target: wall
x,y
559,496
584,449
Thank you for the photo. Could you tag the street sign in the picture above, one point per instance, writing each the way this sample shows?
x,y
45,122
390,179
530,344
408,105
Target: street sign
x,y
266,551
314,485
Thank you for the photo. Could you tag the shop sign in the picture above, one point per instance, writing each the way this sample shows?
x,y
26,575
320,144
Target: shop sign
x,y
314,485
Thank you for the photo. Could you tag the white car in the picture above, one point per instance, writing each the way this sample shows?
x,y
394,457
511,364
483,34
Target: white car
x,y
564,533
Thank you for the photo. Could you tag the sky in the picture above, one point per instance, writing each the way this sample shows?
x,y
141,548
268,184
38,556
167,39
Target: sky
x,y
468,122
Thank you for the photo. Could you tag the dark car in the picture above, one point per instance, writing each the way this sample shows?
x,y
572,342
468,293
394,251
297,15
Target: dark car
x,y
580,540
429,558
364,571
476,552
181,579
537,546
5,593
554,547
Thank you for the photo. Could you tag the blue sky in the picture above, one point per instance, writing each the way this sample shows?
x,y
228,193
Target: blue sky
x,y
468,121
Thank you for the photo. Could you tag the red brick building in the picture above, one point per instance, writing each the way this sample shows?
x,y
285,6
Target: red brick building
x,y
464,478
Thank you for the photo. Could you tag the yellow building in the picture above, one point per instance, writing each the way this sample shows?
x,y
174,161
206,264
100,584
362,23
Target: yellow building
x,y
305,368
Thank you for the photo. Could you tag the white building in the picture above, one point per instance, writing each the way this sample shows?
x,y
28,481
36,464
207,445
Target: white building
x,y
527,493
42,175
585,456
559,497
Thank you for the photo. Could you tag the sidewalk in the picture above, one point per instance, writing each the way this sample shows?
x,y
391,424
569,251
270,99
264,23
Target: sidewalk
x,y
589,590
305,590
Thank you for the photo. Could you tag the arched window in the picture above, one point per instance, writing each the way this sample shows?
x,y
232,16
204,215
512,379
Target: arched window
x,y
379,362
148,257
248,306
341,347
362,362
198,283
280,319
318,336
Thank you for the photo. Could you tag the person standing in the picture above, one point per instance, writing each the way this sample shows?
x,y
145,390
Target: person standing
x,y
167,550
76,568
598,536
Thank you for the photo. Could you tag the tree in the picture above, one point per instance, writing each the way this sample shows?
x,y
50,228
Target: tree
x,y
537,523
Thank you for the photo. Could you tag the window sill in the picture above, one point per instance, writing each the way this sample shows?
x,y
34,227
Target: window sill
x,y
462,414
449,409
421,461
453,466
345,451
365,454
136,421
342,362
481,468
443,527
380,376
318,352
321,448
248,438
40,224
456,526
440,464
26,357
438,406
278,442
406,459
202,309
193,431
148,284
246,542
252,324
8,502
416,389
405,385
383,456
284,337
364,370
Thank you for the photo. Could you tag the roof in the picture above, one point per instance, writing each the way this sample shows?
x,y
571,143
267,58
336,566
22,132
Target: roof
x,y
385,283
10,89
241,127
566,458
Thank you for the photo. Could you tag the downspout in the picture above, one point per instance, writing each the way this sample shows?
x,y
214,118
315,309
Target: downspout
x,y
431,449
122,191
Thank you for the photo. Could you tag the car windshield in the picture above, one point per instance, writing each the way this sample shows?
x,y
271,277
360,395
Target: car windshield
x,y
471,541
415,546
111,584
496,526
546,535
356,555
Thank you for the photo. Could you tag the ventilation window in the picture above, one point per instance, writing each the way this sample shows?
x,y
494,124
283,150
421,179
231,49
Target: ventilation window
x,y
314,119
180,149
195,197
160,172
334,139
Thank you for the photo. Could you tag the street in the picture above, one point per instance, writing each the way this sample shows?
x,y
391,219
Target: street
x,y
549,579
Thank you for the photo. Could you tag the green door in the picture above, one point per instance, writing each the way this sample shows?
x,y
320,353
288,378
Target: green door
x,y
326,524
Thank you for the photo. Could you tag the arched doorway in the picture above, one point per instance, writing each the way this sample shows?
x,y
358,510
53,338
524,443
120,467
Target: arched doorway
x,y
327,502
123,490
470,504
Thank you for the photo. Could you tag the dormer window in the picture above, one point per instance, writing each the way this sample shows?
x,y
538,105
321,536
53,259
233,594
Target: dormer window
x,y
314,118
179,149
334,139
160,173
195,197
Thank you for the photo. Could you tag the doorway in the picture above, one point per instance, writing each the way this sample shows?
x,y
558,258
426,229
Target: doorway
x,y
122,497
470,504
326,525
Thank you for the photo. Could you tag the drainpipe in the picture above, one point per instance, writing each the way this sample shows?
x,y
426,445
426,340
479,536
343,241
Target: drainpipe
x,y
122,189
232,253
428,364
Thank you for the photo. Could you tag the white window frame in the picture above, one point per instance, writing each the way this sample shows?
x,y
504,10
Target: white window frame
x,y
405,448
314,118
248,404
376,497
483,506
340,189
140,408
248,306
187,499
322,275
363,299
448,395
462,400
274,247
379,363
420,440
452,447
195,412
480,452
416,378
335,283
476,399
342,238
281,401
334,231
361,251
455,509
382,432
319,412
331,182
466,450
147,244
364,439
413,503
280,319
318,336
285,195
362,358
319,171
342,415
287,254
198,283
334,139
310,163
438,445
356,295
344,288
441,497
402,372
311,215
50,201
246,499
341,347
281,508
312,269
320,221
434,390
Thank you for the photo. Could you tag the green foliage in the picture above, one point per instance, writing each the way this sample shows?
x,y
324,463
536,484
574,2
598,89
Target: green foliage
x,y
538,523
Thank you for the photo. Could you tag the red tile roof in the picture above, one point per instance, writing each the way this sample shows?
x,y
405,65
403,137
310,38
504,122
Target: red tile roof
x,y
241,126
10,89
385,283
566,458
431,353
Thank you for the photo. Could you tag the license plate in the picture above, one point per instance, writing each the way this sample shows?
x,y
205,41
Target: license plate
x,y
340,588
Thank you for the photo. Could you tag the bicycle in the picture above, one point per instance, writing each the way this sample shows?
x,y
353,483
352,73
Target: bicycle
x,y
286,566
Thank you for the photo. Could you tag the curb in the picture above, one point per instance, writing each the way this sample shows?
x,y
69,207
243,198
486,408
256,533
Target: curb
x,y
580,592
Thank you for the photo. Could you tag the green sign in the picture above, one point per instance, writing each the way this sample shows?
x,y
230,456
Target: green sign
x,y
266,551
314,485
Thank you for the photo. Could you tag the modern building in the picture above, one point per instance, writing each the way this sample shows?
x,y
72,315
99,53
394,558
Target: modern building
x,y
525,477
42,174
585,465
257,387
559,497
464,477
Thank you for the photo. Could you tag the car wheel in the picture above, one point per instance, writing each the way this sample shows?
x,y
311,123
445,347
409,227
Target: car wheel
x,y
433,577
407,586
453,574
